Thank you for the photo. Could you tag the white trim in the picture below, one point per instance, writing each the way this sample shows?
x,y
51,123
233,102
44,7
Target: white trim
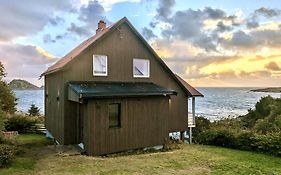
x,y
142,76
99,74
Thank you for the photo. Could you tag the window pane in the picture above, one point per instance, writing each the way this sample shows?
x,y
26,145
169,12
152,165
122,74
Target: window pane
x,y
100,65
141,68
114,115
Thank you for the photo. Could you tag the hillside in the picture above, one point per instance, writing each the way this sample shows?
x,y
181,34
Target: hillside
x,y
22,85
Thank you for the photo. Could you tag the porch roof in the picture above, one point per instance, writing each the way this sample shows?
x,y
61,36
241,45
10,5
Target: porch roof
x,y
91,89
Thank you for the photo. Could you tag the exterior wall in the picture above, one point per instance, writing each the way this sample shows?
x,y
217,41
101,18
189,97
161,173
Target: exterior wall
x,y
144,123
120,46
54,118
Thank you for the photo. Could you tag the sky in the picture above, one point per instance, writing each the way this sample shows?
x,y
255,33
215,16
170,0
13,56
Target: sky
x,y
209,43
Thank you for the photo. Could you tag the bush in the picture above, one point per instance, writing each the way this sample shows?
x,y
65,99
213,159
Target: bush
x,y
249,141
20,123
1,125
245,141
202,124
270,124
266,109
6,154
217,138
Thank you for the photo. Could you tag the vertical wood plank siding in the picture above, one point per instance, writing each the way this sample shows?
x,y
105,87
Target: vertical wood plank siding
x,y
121,46
143,123
54,108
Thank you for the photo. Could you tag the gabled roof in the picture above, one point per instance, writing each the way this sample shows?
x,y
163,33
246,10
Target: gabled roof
x,y
192,91
76,51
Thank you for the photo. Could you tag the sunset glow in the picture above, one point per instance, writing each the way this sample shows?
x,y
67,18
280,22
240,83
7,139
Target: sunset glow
x,y
208,43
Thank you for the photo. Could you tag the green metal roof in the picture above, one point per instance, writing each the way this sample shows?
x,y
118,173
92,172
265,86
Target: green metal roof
x,y
91,89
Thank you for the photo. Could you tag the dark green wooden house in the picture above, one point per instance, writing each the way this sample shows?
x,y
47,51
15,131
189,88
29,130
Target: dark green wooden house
x,y
113,93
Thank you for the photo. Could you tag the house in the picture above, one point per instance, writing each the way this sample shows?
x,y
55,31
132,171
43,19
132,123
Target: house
x,y
113,93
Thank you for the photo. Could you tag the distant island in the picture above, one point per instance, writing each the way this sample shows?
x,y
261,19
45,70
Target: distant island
x,y
271,89
18,84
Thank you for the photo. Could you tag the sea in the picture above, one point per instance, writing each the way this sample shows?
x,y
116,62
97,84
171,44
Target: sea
x,y
217,103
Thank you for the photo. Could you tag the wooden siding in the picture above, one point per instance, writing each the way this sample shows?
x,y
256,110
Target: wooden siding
x,y
120,53
121,46
143,123
54,119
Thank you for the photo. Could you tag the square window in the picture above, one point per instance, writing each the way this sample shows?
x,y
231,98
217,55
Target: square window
x,y
141,68
114,115
100,65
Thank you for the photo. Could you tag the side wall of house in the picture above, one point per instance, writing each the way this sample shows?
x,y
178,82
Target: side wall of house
x,y
143,124
54,105
121,46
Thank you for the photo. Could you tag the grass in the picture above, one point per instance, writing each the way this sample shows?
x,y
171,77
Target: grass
x,y
39,158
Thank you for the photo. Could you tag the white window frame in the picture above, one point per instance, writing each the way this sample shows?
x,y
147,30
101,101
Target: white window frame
x,y
142,76
100,74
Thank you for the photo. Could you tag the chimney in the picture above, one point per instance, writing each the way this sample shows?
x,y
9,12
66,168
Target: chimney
x,y
101,26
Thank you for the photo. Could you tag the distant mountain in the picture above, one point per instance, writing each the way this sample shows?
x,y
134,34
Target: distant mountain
x,y
22,85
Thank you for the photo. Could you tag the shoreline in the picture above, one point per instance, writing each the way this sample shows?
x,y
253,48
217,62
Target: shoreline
x,y
271,89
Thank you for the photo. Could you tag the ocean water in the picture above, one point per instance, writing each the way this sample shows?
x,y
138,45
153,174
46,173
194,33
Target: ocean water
x,y
28,97
217,102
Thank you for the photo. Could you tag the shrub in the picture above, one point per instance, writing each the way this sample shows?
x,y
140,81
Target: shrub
x,y
2,114
20,123
268,125
249,141
264,114
6,154
217,138
202,124
245,141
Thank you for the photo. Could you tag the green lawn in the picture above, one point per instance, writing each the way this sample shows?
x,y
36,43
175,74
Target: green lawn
x,y
39,158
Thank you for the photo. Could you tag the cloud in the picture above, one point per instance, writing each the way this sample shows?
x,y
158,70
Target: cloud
x,y
80,30
255,74
47,38
221,27
107,4
254,39
165,8
24,60
273,66
19,19
240,40
253,19
56,21
193,29
89,15
148,33
267,12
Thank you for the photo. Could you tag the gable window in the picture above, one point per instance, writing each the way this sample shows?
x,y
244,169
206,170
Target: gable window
x,y
141,68
114,115
100,65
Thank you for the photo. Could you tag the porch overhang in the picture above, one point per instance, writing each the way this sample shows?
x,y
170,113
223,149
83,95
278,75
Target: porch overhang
x,y
80,90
